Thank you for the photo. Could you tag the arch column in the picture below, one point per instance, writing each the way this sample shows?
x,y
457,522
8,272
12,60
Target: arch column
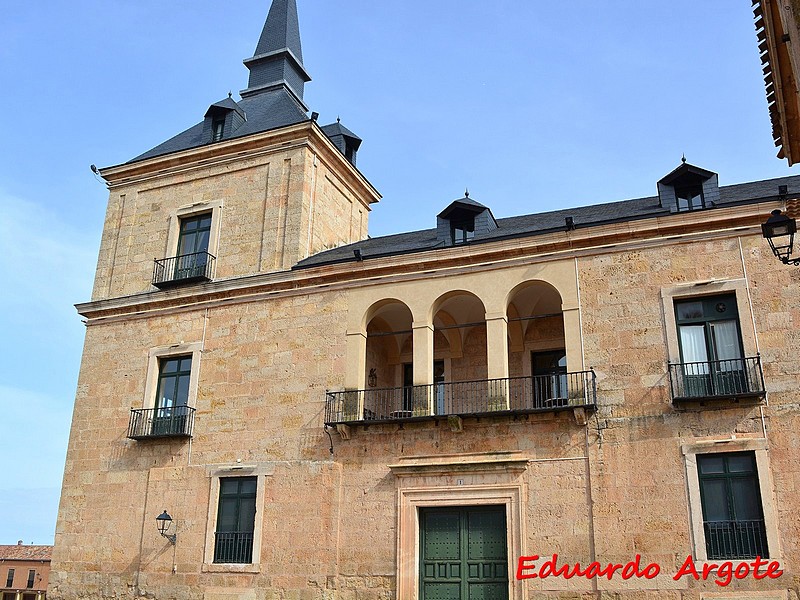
x,y
497,360
423,367
356,360
572,339
354,375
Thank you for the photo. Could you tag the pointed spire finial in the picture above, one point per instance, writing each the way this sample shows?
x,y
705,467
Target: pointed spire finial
x,y
278,59
338,120
230,94
683,158
466,193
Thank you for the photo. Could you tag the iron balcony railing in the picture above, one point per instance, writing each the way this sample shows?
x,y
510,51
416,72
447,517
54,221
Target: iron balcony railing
x,y
463,398
717,379
233,547
187,268
175,421
736,539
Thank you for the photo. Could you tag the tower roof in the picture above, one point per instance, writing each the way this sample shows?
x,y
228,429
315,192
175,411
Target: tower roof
x,y
274,96
281,30
278,59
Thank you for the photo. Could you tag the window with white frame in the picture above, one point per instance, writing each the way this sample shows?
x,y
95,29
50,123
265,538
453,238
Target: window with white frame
x,y
731,503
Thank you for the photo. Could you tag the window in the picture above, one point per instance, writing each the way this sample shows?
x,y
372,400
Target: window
x,y
193,238
731,504
31,577
710,347
170,393
10,578
235,520
733,520
218,129
172,396
690,197
462,231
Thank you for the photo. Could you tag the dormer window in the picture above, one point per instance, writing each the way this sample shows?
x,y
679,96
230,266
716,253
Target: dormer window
x,y
688,188
222,119
690,197
462,220
462,231
217,129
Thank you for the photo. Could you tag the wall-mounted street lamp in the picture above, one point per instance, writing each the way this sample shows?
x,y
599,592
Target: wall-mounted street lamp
x,y
164,522
779,231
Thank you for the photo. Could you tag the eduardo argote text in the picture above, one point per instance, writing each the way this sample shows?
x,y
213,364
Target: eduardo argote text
x,y
532,567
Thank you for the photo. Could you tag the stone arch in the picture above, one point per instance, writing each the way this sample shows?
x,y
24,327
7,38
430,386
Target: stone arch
x,y
460,317
535,324
387,324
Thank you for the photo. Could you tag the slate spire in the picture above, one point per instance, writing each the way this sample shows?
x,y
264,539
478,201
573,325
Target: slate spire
x,y
278,59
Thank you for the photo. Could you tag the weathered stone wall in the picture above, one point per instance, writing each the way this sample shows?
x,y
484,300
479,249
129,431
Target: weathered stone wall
x,y
276,209
605,489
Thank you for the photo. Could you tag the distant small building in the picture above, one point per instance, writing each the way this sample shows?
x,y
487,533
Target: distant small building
x,y
24,571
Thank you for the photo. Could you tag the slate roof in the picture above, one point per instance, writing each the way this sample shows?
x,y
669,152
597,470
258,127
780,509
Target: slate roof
x,y
265,111
228,104
338,129
25,552
547,222
465,202
281,30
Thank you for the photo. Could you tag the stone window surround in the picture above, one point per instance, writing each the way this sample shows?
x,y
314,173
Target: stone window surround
x,y
759,447
687,291
260,471
215,208
472,480
154,357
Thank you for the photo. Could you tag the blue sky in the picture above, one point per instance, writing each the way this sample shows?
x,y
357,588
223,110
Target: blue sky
x,y
531,105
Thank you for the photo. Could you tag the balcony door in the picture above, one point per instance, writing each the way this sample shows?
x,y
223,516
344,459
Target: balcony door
x,y
711,346
193,246
172,397
438,386
549,371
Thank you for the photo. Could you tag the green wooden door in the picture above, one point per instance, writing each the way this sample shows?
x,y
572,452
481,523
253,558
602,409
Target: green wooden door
x,y
463,553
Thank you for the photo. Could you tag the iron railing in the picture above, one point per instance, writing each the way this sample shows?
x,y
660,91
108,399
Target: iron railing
x,y
717,379
463,398
174,421
233,547
186,268
736,539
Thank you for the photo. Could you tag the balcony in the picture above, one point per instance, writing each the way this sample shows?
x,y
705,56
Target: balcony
x,y
489,397
737,378
151,423
735,540
184,269
233,547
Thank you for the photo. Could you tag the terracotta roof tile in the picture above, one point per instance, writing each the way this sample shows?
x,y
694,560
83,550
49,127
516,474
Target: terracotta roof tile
x,y
25,552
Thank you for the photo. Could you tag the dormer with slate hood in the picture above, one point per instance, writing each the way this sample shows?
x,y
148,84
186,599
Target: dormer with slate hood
x,y
345,140
463,220
688,188
222,119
